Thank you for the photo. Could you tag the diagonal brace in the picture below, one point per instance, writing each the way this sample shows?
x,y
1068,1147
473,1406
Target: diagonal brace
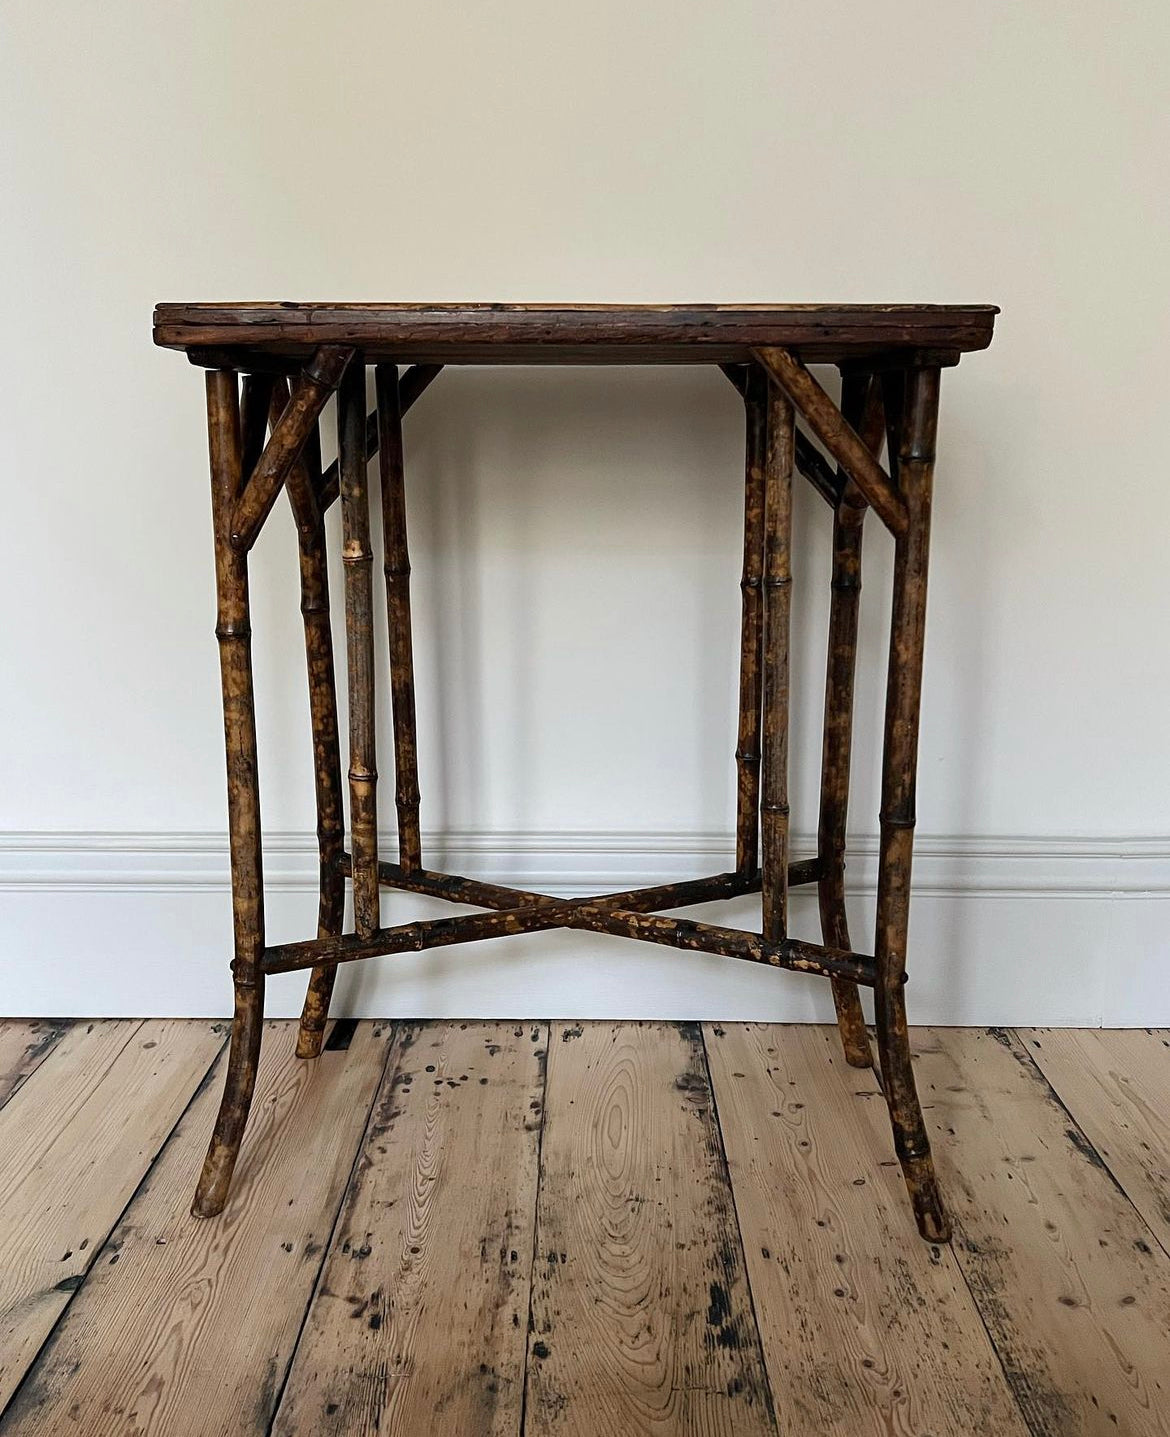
x,y
410,386
318,380
809,460
837,435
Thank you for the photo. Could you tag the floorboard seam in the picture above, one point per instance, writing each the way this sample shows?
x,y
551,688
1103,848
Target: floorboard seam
x,y
327,1245
99,1248
548,1036
725,1169
42,1051
1089,1149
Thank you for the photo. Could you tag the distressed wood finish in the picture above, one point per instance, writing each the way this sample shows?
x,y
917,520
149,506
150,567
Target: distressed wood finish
x,y
777,610
358,558
293,356
863,1331
576,333
1117,1082
420,1319
24,1046
185,1327
397,569
404,1304
233,632
76,1142
1072,1285
641,1315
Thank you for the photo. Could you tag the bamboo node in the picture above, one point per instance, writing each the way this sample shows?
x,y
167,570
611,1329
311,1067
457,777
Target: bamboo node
x,y
778,808
897,820
224,632
745,756
328,364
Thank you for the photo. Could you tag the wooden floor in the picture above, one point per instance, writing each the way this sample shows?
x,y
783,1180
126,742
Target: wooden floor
x,y
581,1228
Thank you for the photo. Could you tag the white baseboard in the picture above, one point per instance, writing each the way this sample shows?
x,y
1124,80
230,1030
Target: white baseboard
x,y
1004,930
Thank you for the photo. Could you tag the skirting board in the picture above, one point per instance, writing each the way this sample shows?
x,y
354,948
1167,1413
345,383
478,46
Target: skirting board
x,y
1050,931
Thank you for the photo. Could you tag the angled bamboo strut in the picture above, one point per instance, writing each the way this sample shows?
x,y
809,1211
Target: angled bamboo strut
x,y
264,437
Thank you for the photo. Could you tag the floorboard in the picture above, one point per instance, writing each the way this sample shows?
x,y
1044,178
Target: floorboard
x,y
1073,1288
866,1328
76,1141
24,1046
186,1325
1116,1084
419,1324
498,1229
641,1316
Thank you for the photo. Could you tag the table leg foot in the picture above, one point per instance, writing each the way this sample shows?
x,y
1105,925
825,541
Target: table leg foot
x,y
921,1183
315,1014
851,1024
243,1059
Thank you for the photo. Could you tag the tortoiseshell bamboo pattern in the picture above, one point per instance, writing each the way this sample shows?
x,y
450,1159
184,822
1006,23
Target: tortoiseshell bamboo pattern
x,y
310,395
838,437
889,358
777,596
358,559
573,913
747,751
326,761
919,419
234,633
417,378
858,392
397,569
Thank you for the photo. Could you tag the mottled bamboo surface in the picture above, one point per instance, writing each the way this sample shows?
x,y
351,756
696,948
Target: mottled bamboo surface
x,y
582,1228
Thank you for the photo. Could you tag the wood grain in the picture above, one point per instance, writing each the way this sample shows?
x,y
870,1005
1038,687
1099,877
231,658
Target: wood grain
x,y
572,333
1116,1084
75,1142
641,1315
187,1326
865,1328
24,1045
1073,1288
420,1320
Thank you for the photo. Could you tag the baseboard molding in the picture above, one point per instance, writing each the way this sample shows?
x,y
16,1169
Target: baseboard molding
x,y
1037,930
569,862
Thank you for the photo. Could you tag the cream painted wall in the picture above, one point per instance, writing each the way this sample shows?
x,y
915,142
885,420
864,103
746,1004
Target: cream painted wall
x,y
577,531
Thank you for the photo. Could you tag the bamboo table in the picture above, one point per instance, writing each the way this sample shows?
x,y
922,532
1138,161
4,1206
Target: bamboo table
x,y
264,437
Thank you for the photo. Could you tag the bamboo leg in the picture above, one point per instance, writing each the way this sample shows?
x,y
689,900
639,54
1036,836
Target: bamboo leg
x,y
326,765
397,567
777,603
903,694
358,559
747,753
233,632
848,518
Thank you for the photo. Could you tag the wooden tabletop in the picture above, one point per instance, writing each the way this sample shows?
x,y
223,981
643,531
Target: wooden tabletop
x,y
572,333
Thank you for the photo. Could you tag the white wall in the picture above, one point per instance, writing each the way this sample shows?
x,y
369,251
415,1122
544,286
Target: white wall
x,y
575,535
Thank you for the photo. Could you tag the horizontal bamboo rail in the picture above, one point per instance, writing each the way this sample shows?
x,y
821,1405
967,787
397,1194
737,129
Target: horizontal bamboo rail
x,y
572,913
682,894
838,436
